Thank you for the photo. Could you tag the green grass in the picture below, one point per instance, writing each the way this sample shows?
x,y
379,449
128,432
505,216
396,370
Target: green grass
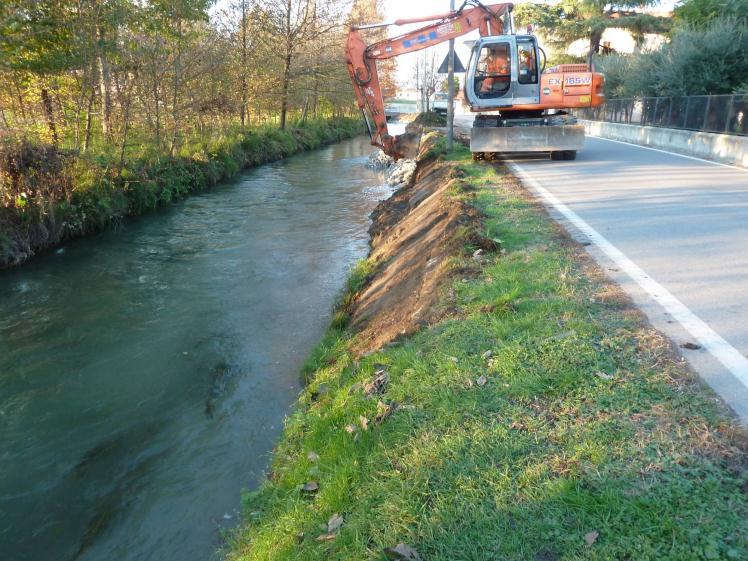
x,y
586,424
74,194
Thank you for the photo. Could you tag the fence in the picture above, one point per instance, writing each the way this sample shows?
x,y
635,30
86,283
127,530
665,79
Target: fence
x,y
726,114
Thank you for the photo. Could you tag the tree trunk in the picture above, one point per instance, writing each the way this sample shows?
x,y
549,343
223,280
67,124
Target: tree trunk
x,y
89,119
284,91
595,39
105,94
49,112
243,70
175,96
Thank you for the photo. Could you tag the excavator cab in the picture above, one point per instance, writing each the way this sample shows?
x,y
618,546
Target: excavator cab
x,y
520,106
503,71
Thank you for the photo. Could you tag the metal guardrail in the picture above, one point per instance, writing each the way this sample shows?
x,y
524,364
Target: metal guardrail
x,y
725,114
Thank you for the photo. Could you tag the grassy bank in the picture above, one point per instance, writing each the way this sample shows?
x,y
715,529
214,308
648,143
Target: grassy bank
x,y
538,419
48,195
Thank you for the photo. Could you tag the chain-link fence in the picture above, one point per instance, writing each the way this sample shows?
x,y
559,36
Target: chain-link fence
x,y
727,114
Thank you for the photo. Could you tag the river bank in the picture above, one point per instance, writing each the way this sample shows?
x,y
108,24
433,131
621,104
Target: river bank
x,y
485,392
50,196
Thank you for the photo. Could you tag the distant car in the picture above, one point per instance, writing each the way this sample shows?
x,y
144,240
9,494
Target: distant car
x,y
440,103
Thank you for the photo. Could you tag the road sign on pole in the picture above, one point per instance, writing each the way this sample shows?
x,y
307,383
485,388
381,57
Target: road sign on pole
x,y
444,67
451,59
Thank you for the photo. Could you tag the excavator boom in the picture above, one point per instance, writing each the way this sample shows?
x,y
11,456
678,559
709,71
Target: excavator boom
x,y
504,82
361,58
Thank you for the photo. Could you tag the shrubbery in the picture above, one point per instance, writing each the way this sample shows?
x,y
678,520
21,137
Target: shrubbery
x,y
706,59
49,195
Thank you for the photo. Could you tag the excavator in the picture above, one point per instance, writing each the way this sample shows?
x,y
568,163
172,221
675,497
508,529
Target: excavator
x,y
520,105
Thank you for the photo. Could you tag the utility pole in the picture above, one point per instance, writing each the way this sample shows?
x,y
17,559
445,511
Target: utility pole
x,y
451,87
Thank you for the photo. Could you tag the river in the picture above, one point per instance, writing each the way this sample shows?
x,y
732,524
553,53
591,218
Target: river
x,y
145,372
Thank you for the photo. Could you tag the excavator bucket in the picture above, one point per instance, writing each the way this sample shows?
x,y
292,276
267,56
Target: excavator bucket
x,y
406,145
541,138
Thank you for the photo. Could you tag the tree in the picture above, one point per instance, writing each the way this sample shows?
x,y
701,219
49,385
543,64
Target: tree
x,y
570,20
701,12
95,75
425,76
444,85
294,26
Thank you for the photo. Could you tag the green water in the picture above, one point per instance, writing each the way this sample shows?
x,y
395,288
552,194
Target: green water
x,y
145,372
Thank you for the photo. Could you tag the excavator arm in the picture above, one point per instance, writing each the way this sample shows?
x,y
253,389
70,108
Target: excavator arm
x,y
361,59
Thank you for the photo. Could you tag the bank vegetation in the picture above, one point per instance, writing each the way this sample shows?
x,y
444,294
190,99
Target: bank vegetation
x,y
112,107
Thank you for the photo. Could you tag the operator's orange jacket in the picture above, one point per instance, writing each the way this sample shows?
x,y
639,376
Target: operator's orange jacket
x,y
496,65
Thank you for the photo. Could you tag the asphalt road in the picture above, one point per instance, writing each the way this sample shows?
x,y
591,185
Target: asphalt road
x,y
682,227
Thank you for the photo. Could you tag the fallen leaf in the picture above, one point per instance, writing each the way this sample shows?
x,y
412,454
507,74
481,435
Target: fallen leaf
x,y
591,537
312,457
402,552
335,522
603,375
486,355
350,429
454,359
326,537
364,422
378,384
481,381
384,410
310,487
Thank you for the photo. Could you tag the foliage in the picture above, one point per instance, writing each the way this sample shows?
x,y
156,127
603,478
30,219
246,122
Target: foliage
x,y
698,13
569,20
578,437
105,75
704,60
444,84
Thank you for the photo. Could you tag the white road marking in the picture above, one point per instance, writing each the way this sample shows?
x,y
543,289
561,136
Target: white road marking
x,y
671,153
705,336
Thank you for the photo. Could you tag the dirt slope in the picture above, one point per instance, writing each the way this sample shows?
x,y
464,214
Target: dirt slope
x,y
413,235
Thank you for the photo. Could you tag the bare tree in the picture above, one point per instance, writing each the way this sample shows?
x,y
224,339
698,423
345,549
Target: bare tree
x,y
425,76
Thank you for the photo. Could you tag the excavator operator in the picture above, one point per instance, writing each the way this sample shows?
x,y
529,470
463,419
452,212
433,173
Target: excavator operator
x,y
498,69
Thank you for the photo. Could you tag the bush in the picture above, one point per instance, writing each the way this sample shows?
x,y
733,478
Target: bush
x,y
711,60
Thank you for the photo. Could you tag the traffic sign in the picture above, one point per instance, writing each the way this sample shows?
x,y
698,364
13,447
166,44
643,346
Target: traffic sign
x,y
443,69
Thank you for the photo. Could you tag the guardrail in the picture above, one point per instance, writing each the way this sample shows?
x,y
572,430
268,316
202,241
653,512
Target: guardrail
x,y
724,114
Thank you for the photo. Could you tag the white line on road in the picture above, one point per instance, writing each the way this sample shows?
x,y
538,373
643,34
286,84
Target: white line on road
x,y
671,153
709,339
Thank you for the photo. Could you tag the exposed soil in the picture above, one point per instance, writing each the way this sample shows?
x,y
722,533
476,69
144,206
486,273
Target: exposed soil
x,y
413,235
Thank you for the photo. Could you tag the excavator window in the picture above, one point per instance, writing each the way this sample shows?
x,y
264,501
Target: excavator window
x,y
493,74
528,63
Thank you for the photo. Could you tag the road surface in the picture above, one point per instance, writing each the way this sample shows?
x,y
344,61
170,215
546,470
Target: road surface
x,y
678,222
680,228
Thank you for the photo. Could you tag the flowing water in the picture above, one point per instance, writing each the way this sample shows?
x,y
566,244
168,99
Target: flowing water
x,y
145,372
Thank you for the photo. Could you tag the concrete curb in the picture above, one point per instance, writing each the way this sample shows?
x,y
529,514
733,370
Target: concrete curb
x,y
723,148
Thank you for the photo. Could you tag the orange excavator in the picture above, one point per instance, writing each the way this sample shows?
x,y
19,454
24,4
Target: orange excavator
x,y
520,104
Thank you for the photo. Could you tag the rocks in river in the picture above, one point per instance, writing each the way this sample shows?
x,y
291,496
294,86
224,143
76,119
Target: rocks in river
x,y
378,160
401,173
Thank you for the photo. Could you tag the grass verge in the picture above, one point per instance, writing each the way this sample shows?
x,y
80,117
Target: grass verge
x,y
542,420
48,195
